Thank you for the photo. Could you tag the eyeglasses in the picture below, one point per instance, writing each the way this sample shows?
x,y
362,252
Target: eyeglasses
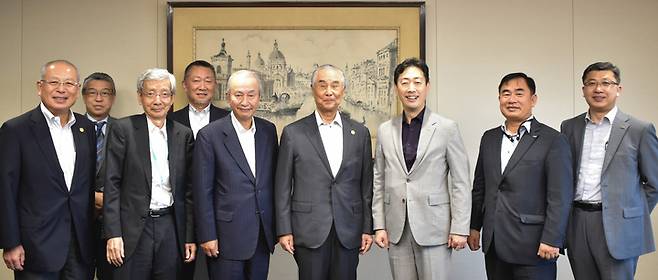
x,y
603,84
68,84
153,94
102,93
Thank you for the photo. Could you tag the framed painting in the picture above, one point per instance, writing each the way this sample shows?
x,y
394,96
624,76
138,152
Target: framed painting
x,y
285,41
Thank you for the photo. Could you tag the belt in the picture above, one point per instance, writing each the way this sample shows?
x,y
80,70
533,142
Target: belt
x,y
155,213
587,206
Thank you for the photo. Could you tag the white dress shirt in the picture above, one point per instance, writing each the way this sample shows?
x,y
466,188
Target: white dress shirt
x,y
595,143
62,137
510,141
332,140
247,141
198,119
161,196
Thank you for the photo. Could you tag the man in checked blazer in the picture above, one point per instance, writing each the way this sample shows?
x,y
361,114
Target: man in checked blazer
x,y
323,185
522,190
414,209
616,174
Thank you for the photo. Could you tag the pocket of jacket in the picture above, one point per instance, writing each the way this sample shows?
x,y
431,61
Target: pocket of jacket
x,y
223,216
303,207
632,212
434,199
532,219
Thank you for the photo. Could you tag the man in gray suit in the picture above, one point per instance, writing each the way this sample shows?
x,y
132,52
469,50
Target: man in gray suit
x,y
616,173
323,185
522,190
413,207
98,93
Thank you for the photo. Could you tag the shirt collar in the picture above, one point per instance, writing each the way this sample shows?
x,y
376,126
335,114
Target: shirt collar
x,y
610,115
525,124
50,117
419,117
154,128
238,126
205,110
95,120
337,119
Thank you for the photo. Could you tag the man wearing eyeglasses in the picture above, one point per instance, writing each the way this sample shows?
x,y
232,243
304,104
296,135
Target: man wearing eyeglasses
x,y
615,173
98,93
47,159
148,203
522,189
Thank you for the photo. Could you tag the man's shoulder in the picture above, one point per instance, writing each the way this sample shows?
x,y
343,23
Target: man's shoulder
x,y
260,122
571,121
19,120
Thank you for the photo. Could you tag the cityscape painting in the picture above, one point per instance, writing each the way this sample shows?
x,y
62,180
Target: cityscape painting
x,y
285,60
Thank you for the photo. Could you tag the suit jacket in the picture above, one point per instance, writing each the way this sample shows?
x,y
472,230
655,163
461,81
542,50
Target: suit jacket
x,y
183,114
628,182
309,199
435,209
127,193
530,201
230,202
36,208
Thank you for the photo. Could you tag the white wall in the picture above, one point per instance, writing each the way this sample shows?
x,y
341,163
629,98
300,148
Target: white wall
x,y
470,46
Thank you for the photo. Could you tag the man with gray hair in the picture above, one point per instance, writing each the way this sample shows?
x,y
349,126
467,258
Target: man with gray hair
x,y
46,183
98,93
323,185
233,182
148,203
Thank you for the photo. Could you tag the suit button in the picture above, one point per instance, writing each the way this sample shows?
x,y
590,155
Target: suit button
x,y
404,200
408,180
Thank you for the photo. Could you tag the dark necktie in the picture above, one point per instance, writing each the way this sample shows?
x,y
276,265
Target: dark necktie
x,y
100,139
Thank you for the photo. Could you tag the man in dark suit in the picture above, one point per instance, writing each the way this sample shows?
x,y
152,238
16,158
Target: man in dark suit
x,y
200,84
522,189
233,182
616,174
47,159
98,93
148,203
323,186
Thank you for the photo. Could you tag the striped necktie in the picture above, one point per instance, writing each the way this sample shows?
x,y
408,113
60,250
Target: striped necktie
x,y
100,139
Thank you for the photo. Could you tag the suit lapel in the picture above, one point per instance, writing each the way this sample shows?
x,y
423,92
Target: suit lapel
x,y
617,132
579,136
313,134
526,142
494,148
79,135
173,138
186,117
143,147
234,148
261,149
426,134
349,141
44,139
397,142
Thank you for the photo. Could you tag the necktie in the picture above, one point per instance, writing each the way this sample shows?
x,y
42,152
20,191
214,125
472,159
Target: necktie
x,y
100,139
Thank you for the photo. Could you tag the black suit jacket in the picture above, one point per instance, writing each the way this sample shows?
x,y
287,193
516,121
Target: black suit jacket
x,y
530,201
127,193
308,198
182,116
36,208
231,203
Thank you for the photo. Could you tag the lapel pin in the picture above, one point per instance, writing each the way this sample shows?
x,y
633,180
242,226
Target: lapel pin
x,y
352,131
82,130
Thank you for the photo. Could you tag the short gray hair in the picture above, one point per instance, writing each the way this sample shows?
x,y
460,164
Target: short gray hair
x,y
98,76
49,63
325,67
245,74
156,74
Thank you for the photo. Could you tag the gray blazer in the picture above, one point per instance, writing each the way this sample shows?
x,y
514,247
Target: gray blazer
x,y
308,198
629,178
435,208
